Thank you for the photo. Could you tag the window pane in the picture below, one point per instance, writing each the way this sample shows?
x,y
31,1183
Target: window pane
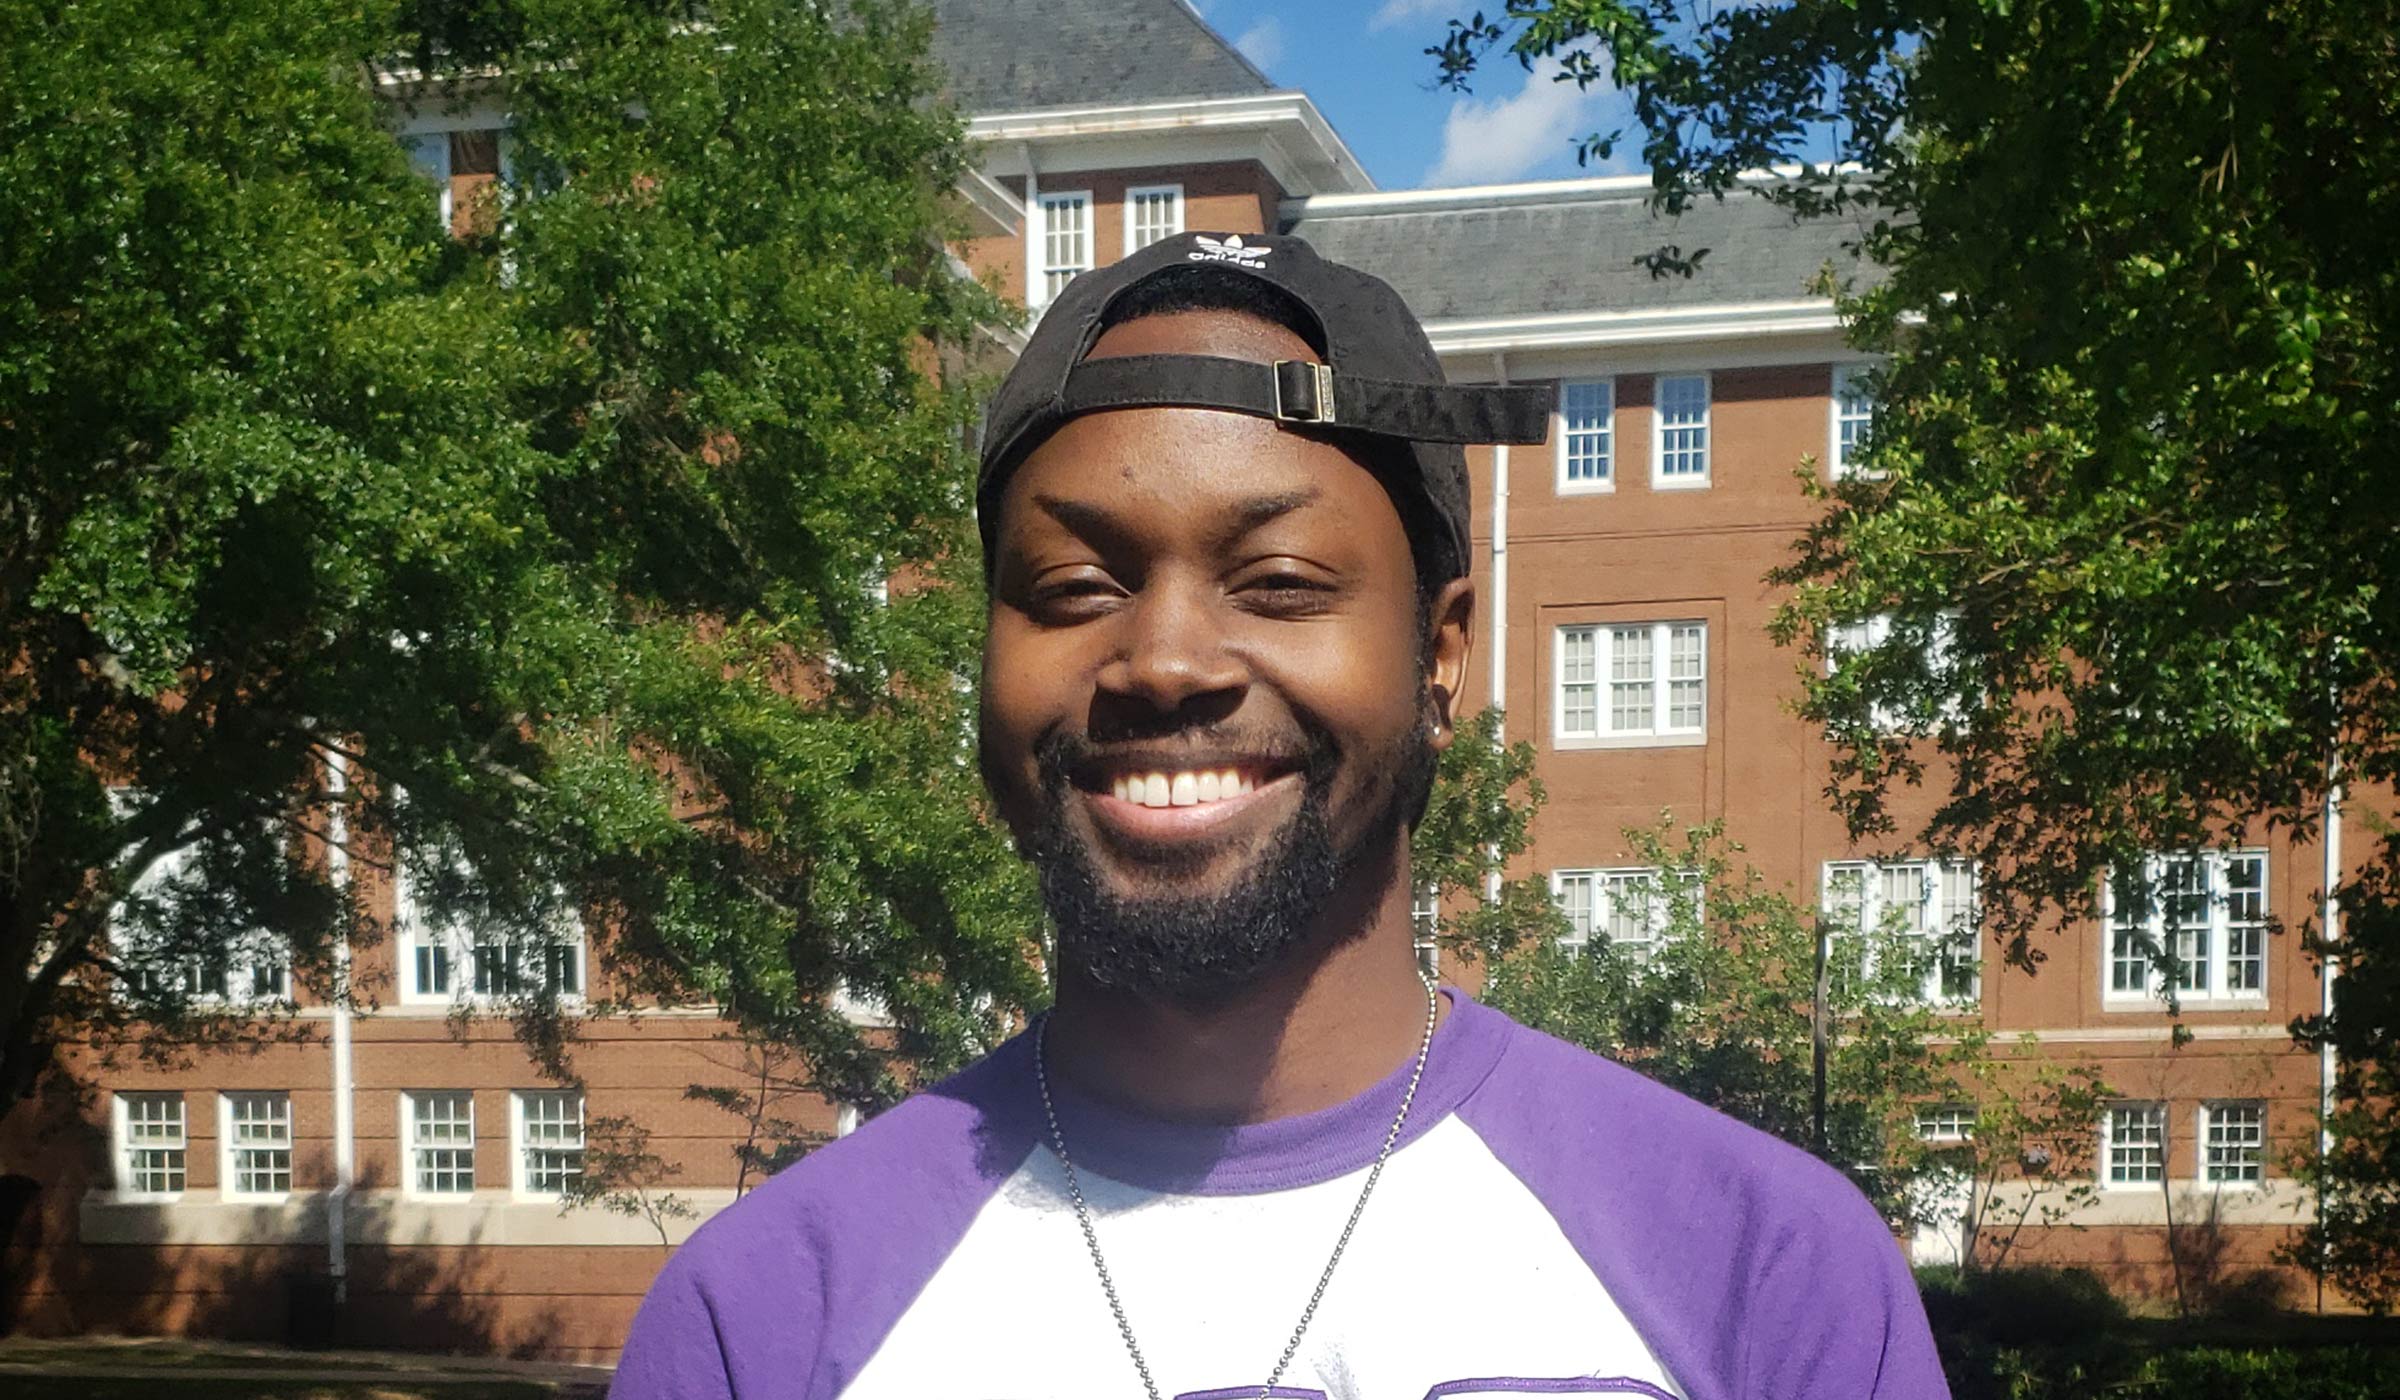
x,y
1683,426
1687,673
1632,691
2245,923
154,1142
1853,412
442,1142
2183,890
258,1137
1155,214
2236,1149
2128,920
2136,1144
553,1140
1585,410
1578,692
433,970
1575,901
1634,908
1949,1122
1066,240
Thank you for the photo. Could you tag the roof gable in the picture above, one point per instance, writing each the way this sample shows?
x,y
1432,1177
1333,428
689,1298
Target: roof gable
x,y
1022,55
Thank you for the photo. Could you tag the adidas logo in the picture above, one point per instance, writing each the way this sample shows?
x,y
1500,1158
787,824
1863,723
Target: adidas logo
x,y
1230,249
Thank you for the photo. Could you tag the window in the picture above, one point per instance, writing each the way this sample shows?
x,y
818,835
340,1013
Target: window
x,y
2207,912
441,1142
245,969
1627,907
1682,437
2233,1142
1931,904
1425,921
1853,414
1646,681
549,1141
1066,240
1587,436
447,960
150,1144
2134,1145
1152,212
257,1145
1934,641
1946,1123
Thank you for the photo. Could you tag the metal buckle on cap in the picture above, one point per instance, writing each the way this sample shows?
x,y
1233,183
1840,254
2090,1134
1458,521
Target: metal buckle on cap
x,y
1320,381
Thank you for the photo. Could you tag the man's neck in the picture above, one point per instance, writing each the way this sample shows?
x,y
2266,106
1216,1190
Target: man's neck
x,y
1319,1029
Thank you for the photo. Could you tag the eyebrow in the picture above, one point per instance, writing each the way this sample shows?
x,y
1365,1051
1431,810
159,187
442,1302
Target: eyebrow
x,y
1098,522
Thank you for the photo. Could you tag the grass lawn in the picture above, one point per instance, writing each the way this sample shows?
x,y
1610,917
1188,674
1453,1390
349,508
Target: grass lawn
x,y
111,1368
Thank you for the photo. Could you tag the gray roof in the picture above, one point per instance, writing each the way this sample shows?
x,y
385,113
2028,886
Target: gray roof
x,y
1019,55
1518,257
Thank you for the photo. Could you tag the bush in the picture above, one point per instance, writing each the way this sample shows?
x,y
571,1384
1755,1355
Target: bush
x,y
2286,1373
2019,1307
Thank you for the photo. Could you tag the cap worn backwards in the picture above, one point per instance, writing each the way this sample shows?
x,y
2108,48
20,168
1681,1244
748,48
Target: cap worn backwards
x,y
1380,377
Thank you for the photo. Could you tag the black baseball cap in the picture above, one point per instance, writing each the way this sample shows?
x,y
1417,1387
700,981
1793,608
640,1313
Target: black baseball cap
x,y
1380,378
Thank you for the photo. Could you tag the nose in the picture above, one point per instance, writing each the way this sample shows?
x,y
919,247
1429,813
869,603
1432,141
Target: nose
x,y
1174,648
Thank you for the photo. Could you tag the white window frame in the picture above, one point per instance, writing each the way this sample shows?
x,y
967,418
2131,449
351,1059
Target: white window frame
x,y
520,1149
121,1135
1604,886
1603,735
2210,1116
1945,1124
1604,436
2215,964
245,954
2157,1115
1054,199
1134,195
416,934
1845,410
411,1146
1936,920
1688,481
231,1142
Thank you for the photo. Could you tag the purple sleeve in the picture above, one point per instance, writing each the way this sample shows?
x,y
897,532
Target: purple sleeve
x,y
1753,1270
746,1309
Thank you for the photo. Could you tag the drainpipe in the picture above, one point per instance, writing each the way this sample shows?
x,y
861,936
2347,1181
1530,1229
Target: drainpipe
x,y
1033,230
1499,607
345,1162
2330,916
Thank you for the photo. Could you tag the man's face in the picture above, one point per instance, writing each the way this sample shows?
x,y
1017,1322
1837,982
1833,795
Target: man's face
x,y
1207,703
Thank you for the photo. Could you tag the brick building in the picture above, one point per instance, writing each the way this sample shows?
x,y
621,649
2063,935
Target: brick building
x,y
417,1155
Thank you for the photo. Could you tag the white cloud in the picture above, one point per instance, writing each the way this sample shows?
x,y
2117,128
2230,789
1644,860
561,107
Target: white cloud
x,y
1493,140
1395,13
1262,43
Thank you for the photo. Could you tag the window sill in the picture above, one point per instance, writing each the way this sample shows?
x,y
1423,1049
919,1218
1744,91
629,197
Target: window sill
x,y
1678,483
1606,486
1629,741
2125,1002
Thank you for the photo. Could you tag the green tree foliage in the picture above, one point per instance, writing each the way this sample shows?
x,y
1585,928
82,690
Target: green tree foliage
x,y
568,538
2139,278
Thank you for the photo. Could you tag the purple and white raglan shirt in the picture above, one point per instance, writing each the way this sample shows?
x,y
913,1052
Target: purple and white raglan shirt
x,y
1551,1223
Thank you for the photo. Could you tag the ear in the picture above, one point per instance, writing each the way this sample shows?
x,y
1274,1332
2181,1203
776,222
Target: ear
x,y
1453,640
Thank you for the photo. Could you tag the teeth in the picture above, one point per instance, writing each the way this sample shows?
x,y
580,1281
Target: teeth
x,y
1189,788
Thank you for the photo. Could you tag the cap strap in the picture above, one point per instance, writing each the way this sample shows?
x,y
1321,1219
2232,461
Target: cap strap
x,y
1313,395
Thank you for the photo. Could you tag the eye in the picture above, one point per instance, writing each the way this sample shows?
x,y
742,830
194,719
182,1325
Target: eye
x,y
1284,588
1070,595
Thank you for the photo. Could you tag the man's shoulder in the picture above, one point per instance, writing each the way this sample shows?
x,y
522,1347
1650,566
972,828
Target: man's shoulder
x,y
904,1183
1550,1099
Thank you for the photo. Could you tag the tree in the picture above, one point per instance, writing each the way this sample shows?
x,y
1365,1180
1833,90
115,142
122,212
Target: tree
x,y
1719,999
566,540
2138,283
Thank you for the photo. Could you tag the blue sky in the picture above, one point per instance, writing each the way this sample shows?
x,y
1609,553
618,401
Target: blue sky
x,y
1364,63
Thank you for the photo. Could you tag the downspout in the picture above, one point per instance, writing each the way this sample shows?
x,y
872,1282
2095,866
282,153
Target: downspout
x,y
1499,608
2330,916
1033,231
345,1157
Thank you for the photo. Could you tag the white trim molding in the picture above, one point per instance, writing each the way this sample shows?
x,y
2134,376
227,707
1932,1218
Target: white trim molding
x,y
1575,330
1282,131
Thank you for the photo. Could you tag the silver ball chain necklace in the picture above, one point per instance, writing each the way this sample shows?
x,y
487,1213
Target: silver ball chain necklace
x,y
1091,1239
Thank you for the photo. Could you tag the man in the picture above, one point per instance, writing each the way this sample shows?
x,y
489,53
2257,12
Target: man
x,y
1252,1151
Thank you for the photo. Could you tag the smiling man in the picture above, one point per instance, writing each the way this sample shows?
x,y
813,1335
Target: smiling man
x,y
1252,1152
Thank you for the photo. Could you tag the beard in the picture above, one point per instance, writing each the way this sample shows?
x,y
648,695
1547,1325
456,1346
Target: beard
x,y
1200,947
